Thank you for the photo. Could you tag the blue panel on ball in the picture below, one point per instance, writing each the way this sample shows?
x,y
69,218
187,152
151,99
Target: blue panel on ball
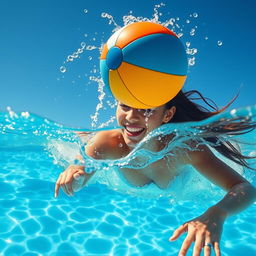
x,y
104,70
114,58
160,52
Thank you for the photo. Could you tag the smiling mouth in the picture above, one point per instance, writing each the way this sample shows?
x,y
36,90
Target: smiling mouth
x,y
134,131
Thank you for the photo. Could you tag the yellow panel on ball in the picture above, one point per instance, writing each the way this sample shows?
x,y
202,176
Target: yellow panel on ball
x,y
121,92
151,87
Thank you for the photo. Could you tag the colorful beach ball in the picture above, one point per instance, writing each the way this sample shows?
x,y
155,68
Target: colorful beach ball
x,y
144,64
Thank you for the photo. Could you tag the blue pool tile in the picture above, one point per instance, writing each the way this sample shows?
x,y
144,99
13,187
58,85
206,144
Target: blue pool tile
x,y
129,232
83,227
14,250
109,230
6,188
50,225
98,246
18,238
20,215
30,226
65,233
56,213
2,244
39,244
29,254
113,219
66,249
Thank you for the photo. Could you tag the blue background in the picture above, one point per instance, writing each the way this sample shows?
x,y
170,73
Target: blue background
x,y
37,37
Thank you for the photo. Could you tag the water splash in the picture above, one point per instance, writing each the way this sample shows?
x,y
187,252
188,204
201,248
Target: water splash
x,y
185,28
29,130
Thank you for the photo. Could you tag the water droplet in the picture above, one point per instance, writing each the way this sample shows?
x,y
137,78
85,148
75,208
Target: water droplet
x,y
70,58
195,15
187,21
85,11
192,32
120,145
63,69
90,47
80,50
219,43
191,61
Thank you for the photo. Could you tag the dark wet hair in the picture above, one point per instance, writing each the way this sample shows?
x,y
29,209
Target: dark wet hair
x,y
187,110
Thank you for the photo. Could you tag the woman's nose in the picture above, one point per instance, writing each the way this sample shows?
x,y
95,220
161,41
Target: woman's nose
x,y
133,114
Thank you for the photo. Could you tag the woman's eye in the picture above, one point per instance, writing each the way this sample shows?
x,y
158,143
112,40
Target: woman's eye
x,y
124,106
147,111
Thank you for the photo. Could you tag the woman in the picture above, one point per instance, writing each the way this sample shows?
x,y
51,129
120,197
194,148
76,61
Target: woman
x,y
206,229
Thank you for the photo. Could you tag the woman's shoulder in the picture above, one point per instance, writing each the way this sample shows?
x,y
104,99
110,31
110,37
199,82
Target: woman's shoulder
x,y
105,144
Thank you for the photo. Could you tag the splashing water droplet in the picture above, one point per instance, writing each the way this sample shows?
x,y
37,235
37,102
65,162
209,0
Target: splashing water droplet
x,y
191,61
219,43
192,32
63,69
91,47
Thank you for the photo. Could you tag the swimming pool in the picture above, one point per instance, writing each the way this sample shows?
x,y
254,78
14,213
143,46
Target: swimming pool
x,y
97,220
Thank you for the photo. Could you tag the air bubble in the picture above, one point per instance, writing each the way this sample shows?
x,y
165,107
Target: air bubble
x,y
85,11
195,15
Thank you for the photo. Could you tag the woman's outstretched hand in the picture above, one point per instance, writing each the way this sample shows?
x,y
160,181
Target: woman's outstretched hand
x,y
71,180
205,231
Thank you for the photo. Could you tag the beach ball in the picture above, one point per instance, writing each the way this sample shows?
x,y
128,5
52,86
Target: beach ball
x,y
144,64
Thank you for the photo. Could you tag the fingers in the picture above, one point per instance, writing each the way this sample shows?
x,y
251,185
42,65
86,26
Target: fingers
x,y
216,247
57,187
207,246
182,229
187,243
199,244
66,179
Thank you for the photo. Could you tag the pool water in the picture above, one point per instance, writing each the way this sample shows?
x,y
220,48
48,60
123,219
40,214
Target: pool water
x,y
98,220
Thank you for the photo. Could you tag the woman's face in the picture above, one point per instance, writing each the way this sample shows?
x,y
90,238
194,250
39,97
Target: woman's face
x,y
137,123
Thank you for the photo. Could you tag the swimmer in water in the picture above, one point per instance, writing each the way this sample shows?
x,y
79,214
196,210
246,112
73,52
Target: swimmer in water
x,y
204,231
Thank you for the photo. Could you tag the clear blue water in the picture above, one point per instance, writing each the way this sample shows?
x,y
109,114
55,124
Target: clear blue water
x,y
101,219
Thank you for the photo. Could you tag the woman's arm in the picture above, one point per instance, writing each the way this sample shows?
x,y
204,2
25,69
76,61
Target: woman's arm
x,y
206,229
240,192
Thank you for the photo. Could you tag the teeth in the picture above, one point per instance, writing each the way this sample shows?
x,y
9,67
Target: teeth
x,y
132,129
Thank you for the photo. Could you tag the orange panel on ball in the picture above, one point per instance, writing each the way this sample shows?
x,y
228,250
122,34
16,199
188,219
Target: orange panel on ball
x,y
121,93
104,52
138,30
149,86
